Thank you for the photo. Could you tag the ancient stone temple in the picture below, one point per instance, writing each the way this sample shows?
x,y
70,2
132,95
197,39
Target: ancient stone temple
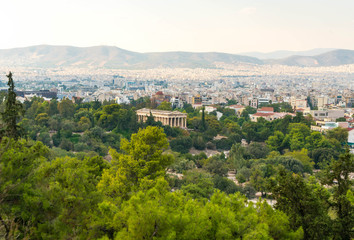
x,y
173,119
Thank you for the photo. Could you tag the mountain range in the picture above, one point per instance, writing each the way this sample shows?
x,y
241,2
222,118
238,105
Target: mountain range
x,y
285,53
46,56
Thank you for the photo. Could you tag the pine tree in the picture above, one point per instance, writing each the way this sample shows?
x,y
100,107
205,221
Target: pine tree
x,y
337,175
203,119
13,111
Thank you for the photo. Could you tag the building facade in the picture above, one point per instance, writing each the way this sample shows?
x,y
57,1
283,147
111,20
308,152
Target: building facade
x,y
173,119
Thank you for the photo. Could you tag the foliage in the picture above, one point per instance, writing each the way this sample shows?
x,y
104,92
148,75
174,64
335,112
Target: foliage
x,y
305,207
140,162
165,106
12,113
66,108
19,161
337,175
174,216
181,144
340,134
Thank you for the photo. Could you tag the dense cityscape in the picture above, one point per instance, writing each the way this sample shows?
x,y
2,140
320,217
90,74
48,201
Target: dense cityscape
x,y
177,120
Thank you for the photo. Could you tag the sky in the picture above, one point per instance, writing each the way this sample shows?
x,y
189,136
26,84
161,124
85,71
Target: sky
x,y
232,26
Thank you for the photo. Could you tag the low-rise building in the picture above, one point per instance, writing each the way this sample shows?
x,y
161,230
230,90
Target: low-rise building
x,y
171,118
238,108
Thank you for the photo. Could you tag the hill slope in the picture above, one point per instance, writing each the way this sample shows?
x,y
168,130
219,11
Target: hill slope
x,y
112,57
285,54
44,56
332,58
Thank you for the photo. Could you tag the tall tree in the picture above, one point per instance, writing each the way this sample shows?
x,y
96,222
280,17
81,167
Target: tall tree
x,y
203,119
305,204
140,162
338,176
13,111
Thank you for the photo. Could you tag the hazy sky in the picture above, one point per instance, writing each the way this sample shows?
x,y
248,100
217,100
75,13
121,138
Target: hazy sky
x,y
232,26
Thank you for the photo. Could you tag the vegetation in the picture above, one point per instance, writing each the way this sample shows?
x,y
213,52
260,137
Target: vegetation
x,y
92,171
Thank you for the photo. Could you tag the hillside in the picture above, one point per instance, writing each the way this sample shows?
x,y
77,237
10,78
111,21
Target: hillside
x,y
332,58
46,56
285,54
113,57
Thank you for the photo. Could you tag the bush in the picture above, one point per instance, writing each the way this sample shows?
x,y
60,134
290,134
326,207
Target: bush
x,y
66,145
248,191
226,185
80,147
223,144
181,144
199,143
240,178
211,145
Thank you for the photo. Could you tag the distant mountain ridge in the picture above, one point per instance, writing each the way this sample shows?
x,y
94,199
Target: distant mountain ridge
x,y
285,53
113,57
332,58
46,56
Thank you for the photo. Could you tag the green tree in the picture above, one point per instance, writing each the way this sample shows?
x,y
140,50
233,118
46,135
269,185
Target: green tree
x,y
84,124
197,183
42,119
236,158
257,150
323,156
66,108
19,161
258,181
303,157
198,142
275,142
140,162
341,134
297,135
68,197
337,175
304,204
181,144
12,113
249,131
53,107
341,119
216,165
165,106
171,215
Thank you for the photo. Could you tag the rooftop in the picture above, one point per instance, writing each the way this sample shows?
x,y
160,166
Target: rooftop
x,y
266,109
160,112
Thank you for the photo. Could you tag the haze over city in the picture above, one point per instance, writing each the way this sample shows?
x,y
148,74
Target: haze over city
x,y
177,119
165,25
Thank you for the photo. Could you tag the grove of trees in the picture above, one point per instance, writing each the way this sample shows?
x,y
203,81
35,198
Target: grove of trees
x,y
75,170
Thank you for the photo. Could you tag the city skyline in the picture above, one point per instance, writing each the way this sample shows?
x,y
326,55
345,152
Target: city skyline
x,y
197,26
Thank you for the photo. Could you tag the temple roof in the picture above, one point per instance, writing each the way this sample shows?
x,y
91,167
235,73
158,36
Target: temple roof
x,y
146,111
